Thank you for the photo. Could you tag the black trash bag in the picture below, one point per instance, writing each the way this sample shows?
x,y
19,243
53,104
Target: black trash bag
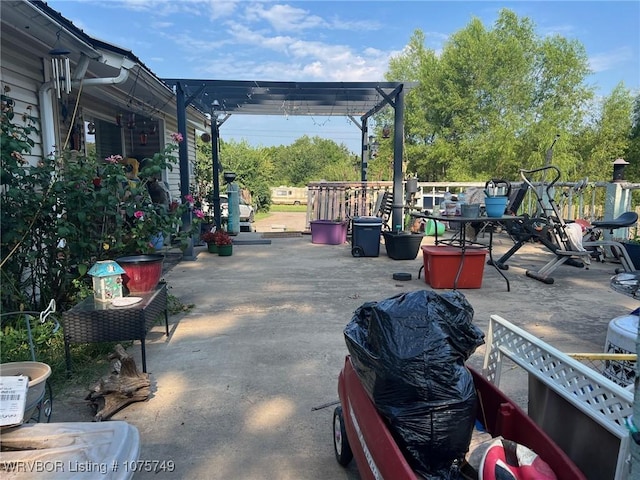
x,y
409,352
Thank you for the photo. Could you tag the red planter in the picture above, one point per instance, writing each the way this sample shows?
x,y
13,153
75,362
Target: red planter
x,y
142,272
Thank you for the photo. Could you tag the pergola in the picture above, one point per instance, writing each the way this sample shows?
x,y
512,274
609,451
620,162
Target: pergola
x,y
356,100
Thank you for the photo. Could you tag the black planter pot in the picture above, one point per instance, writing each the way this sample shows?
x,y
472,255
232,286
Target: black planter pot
x,y
403,245
633,249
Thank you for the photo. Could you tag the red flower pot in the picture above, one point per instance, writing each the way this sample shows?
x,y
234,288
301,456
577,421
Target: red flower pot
x,y
142,272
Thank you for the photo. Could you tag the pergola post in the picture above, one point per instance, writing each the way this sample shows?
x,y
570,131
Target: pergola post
x,y
184,164
398,146
364,160
215,159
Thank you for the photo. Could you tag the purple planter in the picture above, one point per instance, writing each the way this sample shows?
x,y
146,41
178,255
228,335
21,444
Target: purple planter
x,y
328,232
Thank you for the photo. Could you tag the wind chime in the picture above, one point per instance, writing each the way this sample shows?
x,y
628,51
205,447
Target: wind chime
x,y
60,67
144,136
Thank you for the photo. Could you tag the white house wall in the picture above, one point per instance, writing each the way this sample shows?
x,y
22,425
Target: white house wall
x,y
21,74
23,63
173,176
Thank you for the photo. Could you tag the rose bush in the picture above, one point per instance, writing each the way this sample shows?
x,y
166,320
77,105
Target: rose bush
x,y
62,215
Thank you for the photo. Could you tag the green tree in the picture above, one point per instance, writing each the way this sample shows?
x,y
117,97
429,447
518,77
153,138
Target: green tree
x,y
312,159
492,101
253,167
203,169
633,153
608,136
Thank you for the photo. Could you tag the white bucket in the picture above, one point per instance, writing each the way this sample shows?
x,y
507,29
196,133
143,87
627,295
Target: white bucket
x,y
621,338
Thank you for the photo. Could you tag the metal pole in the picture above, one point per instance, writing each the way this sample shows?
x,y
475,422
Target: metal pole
x,y
184,165
365,152
398,145
215,136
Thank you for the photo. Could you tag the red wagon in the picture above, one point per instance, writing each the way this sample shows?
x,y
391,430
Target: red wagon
x,y
360,432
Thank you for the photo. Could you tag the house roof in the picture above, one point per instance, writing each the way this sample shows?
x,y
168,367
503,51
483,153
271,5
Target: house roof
x,y
289,98
142,92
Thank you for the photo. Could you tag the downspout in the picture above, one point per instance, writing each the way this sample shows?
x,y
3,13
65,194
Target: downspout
x,y
46,115
46,99
121,77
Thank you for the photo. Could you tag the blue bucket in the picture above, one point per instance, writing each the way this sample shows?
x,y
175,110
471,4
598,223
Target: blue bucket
x,y
495,206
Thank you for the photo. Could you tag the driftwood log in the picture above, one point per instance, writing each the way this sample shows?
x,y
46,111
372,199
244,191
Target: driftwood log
x,y
123,386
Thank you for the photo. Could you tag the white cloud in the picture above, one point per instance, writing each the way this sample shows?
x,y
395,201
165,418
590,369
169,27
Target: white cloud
x,y
565,30
355,25
221,8
273,42
609,60
161,25
284,18
244,35
311,60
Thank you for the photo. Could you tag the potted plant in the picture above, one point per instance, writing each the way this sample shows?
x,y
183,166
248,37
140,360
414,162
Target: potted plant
x,y
132,231
224,243
210,239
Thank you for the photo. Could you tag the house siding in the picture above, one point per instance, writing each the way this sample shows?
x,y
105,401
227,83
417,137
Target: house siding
x,y
173,176
21,74
23,70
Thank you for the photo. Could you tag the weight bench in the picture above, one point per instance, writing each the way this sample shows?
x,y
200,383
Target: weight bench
x,y
623,221
567,237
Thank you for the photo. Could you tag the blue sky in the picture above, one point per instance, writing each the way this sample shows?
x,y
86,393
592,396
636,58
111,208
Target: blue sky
x,y
333,41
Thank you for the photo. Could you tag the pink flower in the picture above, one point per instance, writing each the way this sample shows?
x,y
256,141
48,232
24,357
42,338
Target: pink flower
x,y
198,213
139,214
189,198
113,158
177,137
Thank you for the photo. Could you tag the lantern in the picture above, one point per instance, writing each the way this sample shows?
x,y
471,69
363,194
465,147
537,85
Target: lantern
x,y
618,169
107,282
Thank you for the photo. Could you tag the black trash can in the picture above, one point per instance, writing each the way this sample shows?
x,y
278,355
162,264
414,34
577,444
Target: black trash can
x,y
365,236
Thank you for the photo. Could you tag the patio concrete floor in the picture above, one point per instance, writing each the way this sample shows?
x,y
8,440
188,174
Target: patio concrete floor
x,y
235,384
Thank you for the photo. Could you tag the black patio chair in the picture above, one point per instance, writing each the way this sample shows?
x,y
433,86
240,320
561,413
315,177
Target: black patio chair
x,y
384,208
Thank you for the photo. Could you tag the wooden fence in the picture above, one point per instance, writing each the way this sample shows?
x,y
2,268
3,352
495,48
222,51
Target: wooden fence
x,y
345,200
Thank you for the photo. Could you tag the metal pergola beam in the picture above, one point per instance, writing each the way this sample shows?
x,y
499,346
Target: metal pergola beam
x,y
292,98
350,99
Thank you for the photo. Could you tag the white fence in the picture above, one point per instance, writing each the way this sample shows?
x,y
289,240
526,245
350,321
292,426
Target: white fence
x,y
591,201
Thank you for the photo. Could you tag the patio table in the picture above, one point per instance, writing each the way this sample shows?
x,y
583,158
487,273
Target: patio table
x,y
463,243
94,322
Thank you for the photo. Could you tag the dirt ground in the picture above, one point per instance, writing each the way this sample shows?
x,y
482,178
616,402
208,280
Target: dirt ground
x,y
282,221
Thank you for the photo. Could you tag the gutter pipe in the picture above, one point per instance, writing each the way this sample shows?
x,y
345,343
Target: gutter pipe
x,y
46,99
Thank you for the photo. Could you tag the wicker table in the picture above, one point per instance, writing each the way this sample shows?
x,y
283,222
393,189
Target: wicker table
x,y
94,322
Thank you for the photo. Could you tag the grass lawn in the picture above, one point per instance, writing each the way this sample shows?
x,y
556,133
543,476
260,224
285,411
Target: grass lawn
x,y
288,208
